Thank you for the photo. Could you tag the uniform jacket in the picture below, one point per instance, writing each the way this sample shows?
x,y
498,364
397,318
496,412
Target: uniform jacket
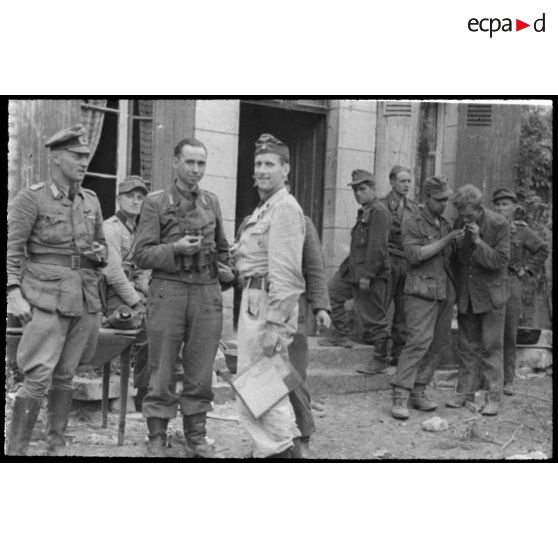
x,y
42,220
123,279
270,244
166,216
313,269
410,209
427,278
369,257
482,270
527,249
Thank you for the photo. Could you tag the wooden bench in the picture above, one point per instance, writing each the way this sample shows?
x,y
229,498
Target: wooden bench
x,y
112,343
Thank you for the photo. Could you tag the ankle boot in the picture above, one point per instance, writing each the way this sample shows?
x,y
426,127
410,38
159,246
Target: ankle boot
x,y
59,404
157,442
459,400
24,417
289,453
492,404
195,434
400,398
419,400
380,360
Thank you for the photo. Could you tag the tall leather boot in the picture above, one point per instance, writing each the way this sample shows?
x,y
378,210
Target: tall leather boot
x,y
157,441
24,417
419,400
195,434
380,360
400,398
59,404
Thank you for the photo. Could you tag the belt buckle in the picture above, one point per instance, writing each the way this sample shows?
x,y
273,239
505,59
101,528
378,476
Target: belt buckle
x,y
75,261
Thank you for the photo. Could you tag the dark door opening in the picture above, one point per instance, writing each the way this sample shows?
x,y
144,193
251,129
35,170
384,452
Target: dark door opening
x,y
305,134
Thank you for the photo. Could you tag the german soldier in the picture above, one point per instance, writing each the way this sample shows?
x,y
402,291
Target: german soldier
x,y
527,254
401,208
181,239
56,248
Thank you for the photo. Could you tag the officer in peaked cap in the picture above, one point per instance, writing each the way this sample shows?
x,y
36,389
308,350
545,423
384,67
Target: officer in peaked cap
x,y
56,248
72,139
527,255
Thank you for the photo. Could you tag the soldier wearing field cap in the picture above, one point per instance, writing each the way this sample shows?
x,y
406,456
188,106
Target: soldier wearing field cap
x,y
364,274
268,260
126,285
429,293
56,249
527,255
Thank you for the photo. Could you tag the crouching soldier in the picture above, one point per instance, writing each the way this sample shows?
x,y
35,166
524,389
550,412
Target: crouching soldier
x,y
56,248
125,284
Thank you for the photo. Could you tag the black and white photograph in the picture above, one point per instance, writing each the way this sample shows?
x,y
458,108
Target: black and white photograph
x,y
307,279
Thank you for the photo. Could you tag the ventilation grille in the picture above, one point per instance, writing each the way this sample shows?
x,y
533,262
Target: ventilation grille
x,y
479,115
398,109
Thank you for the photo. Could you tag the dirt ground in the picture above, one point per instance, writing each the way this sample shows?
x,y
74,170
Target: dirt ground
x,y
351,426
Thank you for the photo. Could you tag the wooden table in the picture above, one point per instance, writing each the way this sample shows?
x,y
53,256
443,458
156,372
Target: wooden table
x,y
112,343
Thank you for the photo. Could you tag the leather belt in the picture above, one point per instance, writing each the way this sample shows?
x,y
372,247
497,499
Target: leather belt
x,y
73,261
255,282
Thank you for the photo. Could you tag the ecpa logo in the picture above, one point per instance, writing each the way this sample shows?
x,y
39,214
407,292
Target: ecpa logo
x,y
492,25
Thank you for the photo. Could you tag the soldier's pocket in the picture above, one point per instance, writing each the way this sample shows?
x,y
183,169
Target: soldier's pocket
x,y
421,285
41,286
498,294
54,228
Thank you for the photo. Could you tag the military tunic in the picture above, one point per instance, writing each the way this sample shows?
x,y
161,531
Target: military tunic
x,y
369,258
184,303
126,284
270,248
528,252
400,210
429,299
45,226
482,292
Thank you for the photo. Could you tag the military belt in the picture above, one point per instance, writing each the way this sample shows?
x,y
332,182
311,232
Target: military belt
x,y
73,261
255,282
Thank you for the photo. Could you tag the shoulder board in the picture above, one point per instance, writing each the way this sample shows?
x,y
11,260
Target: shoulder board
x,y
155,192
113,219
520,223
413,202
90,192
37,186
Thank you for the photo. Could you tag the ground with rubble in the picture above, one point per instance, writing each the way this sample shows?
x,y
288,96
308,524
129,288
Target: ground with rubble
x,y
353,420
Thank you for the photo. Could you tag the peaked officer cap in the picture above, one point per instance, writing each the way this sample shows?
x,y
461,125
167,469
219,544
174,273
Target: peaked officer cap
x,y
72,139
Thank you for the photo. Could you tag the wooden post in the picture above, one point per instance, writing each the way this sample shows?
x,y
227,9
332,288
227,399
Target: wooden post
x,y
124,377
104,401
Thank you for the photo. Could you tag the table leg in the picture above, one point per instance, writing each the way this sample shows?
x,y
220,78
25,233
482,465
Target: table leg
x,y
105,400
124,378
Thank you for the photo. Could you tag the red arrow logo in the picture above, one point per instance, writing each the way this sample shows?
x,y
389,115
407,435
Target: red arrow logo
x,y
519,25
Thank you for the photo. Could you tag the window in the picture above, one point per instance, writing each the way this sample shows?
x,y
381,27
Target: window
x,y
121,139
429,142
